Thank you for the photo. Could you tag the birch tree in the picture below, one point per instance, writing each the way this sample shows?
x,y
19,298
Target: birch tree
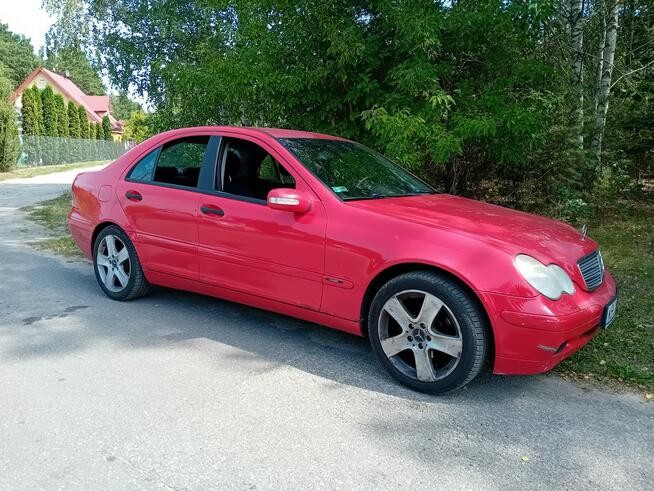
x,y
576,14
607,56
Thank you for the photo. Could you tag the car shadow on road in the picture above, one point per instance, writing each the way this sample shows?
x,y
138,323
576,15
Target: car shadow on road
x,y
170,317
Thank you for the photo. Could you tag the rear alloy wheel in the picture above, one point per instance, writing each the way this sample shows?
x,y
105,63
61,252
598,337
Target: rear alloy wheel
x,y
427,332
117,267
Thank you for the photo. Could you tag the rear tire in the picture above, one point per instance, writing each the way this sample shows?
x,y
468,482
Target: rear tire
x,y
117,266
428,332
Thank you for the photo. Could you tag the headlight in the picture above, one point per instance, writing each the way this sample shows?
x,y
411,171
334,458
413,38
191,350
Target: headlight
x,y
549,280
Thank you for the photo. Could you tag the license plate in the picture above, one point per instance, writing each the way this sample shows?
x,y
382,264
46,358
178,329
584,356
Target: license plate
x,y
609,313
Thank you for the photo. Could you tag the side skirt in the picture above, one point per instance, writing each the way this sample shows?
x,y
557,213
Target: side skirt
x,y
171,281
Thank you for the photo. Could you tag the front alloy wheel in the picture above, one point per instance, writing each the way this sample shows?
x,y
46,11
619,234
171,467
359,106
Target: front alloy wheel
x,y
428,332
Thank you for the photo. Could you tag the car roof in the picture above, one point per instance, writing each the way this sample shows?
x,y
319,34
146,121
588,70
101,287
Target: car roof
x,y
273,132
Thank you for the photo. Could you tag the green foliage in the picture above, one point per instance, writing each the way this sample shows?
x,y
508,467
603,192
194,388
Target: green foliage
x,y
83,122
99,131
85,129
38,110
106,128
28,113
136,127
49,112
73,121
73,61
17,55
62,116
122,106
473,96
9,143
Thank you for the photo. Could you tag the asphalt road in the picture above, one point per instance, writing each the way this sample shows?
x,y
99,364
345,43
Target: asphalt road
x,y
181,391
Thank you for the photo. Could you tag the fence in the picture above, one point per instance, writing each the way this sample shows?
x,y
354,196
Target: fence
x,y
52,150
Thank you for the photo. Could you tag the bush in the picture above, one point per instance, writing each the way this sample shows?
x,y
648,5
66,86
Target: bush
x,y
9,142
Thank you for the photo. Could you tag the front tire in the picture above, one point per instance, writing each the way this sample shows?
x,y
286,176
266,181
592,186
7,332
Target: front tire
x,y
117,266
428,332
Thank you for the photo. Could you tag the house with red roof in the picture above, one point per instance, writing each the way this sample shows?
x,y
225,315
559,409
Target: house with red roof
x,y
96,106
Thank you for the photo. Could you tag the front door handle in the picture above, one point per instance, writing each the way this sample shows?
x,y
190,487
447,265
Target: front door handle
x,y
212,210
133,195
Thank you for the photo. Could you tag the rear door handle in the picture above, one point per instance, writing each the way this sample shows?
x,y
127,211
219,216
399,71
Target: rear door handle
x,y
133,195
212,210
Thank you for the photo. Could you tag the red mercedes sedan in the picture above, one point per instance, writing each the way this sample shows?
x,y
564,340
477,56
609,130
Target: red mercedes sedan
x,y
327,230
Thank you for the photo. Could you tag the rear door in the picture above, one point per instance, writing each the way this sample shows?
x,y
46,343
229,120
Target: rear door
x,y
160,198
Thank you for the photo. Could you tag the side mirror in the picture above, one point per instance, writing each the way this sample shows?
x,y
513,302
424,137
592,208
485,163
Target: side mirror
x,y
286,199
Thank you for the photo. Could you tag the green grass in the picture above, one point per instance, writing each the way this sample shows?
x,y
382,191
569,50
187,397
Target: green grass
x,y
52,214
625,351
47,169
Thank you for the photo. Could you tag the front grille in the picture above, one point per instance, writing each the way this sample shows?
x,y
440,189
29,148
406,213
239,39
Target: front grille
x,y
592,269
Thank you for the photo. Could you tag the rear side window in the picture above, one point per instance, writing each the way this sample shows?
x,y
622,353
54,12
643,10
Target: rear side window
x,y
143,170
180,161
177,162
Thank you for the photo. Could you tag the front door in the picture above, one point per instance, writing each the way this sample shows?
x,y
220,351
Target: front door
x,y
248,247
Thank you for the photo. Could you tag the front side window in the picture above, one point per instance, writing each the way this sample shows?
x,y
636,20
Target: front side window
x,y
180,161
354,171
249,171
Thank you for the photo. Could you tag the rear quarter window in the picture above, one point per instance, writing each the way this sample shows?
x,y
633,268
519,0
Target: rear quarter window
x,y
143,170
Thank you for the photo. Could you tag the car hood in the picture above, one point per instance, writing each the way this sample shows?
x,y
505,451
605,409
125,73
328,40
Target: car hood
x,y
515,231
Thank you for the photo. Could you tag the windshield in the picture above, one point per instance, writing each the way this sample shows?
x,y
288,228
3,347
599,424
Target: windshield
x,y
353,171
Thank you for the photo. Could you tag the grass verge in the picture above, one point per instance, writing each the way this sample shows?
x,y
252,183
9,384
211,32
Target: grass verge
x,y
623,353
52,214
46,169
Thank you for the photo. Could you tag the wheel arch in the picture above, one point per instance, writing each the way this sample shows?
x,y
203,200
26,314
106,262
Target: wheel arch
x,y
99,228
390,272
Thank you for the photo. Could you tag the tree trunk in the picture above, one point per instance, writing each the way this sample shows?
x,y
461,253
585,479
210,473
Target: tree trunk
x,y
600,63
576,9
604,90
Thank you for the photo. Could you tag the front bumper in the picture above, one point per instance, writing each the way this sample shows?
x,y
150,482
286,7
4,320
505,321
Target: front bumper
x,y
532,335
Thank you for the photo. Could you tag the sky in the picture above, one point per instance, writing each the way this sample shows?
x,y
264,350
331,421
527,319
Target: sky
x,y
28,18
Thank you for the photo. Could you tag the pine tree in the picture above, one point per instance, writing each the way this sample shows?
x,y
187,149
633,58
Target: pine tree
x,y
83,122
62,116
106,128
73,120
49,112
